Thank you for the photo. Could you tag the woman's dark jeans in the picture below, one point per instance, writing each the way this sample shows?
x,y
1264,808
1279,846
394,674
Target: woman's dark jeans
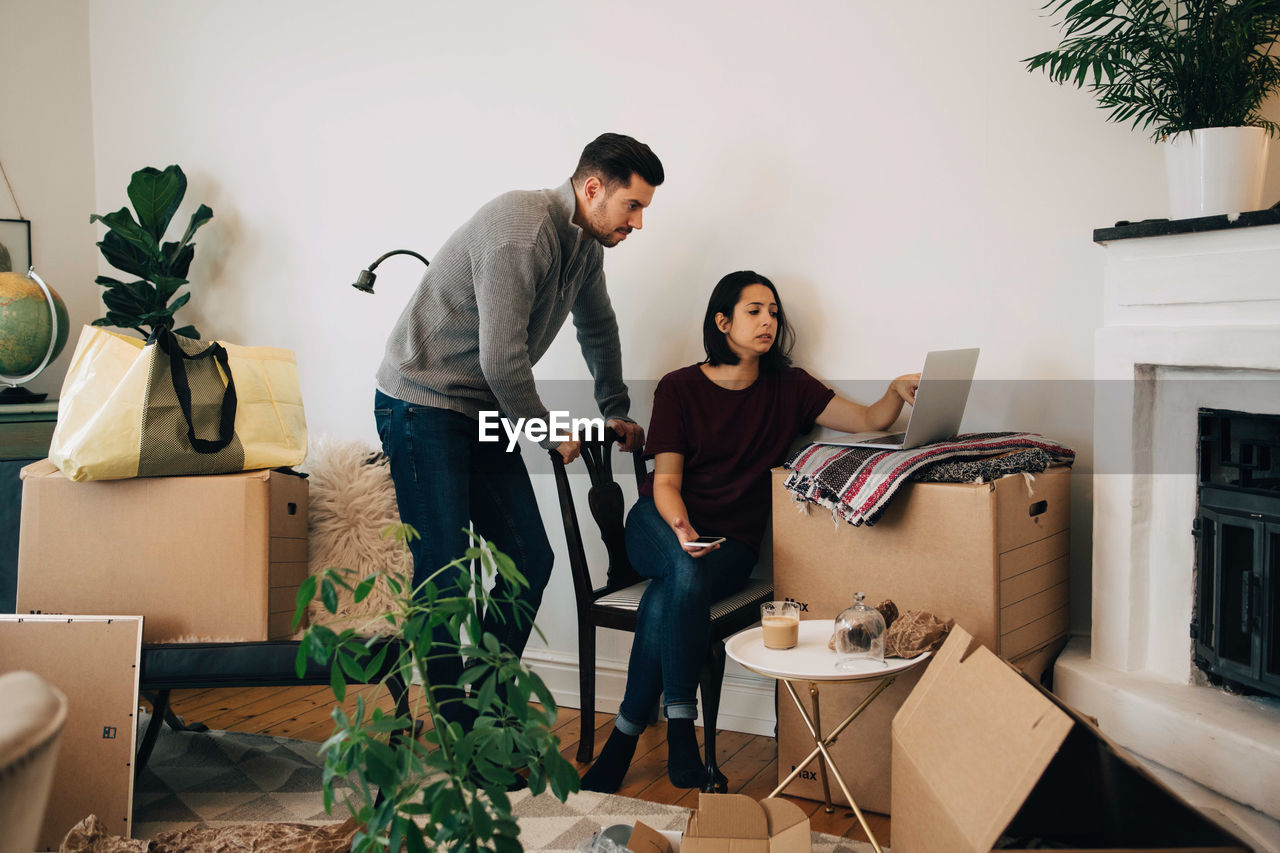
x,y
674,621
445,478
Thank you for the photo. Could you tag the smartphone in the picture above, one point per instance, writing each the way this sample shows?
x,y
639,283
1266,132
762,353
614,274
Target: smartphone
x,y
702,542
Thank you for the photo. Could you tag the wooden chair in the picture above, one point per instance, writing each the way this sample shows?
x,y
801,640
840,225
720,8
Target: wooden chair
x,y
615,604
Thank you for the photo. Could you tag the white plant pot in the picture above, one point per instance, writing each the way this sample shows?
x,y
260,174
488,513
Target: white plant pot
x,y
1216,170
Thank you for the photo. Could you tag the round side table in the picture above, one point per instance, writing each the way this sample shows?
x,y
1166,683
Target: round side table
x,y
811,662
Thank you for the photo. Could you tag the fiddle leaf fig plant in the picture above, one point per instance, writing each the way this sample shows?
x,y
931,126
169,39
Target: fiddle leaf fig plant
x,y
135,246
1170,65
446,789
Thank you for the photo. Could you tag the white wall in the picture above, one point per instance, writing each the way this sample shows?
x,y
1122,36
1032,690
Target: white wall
x,y
46,145
842,148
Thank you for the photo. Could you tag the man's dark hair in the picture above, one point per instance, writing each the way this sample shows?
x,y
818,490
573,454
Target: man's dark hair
x,y
614,158
724,297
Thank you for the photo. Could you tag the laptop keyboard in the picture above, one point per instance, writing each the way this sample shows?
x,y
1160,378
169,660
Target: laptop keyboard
x,y
896,438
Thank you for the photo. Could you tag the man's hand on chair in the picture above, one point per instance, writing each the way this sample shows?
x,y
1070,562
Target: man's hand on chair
x,y
569,450
632,434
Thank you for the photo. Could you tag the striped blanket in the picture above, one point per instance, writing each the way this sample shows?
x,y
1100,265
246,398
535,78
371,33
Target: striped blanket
x,y
857,483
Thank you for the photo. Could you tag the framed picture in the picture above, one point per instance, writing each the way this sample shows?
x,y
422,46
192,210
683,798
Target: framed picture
x,y
15,245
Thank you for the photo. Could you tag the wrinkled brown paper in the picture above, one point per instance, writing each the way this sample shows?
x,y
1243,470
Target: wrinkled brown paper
x,y
89,836
914,632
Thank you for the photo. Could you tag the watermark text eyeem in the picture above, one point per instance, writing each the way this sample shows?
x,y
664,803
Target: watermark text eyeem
x,y
558,427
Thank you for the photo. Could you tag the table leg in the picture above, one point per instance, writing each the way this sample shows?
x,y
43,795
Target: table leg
x,y
820,749
822,761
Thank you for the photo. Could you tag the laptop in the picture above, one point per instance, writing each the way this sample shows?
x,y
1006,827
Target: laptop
x,y
939,407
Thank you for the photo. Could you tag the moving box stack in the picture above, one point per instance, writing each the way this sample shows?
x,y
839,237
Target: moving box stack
x,y
214,558
990,556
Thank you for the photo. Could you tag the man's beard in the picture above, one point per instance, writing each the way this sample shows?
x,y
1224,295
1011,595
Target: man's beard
x,y
599,230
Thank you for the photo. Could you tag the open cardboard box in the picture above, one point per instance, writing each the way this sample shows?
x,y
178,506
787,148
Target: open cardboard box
x,y
731,823
982,755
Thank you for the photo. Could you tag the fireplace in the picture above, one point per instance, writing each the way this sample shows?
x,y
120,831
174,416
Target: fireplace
x,y
1191,323
1236,621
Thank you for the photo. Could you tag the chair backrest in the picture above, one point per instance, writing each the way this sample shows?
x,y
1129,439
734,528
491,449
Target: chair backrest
x,y
607,503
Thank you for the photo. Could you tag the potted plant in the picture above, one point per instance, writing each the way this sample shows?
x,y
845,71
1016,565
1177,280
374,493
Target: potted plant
x,y
446,789
134,246
1193,72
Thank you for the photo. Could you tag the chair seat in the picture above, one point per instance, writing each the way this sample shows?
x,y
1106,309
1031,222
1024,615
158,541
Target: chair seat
x,y
756,590
628,598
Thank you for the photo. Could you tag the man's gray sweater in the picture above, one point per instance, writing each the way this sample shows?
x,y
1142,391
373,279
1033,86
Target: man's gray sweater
x,y
491,303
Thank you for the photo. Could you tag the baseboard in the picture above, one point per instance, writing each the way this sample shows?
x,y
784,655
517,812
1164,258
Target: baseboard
x,y
746,700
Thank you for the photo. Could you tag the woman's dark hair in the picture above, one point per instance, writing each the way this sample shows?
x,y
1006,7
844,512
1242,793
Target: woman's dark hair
x,y
724,297
614,158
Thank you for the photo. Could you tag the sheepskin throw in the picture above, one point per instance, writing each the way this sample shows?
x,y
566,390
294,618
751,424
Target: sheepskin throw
x,y
352,501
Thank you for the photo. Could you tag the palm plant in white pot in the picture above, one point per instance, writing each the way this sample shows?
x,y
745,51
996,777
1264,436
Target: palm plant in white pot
x,y
1196,73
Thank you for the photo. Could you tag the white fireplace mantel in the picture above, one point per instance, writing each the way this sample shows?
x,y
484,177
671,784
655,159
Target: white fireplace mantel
x,y
1190,320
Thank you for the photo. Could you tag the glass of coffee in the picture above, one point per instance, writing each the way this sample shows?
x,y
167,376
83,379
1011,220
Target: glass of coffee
x,y
780,624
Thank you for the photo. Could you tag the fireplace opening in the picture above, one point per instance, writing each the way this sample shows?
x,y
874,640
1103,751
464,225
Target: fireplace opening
x,y
1236,618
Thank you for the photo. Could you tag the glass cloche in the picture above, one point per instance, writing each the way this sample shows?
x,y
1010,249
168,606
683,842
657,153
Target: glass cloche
x,y
859,635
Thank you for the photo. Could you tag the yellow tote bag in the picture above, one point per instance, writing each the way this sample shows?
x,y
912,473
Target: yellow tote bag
x,y
172,406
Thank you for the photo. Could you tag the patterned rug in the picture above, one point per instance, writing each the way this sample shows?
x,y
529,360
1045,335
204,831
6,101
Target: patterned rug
x,y
217,779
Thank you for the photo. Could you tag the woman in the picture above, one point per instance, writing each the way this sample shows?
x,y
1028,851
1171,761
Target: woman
x,y
717,429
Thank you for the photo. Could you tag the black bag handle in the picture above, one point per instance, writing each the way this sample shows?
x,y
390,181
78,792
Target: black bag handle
x,y
165,338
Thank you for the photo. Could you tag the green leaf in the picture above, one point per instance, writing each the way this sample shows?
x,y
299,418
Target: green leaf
x,y
351,667
488,691
314,645
177,259
388,724
202,215
123,225
329,595
300,658
395,841
167,285
187,332
364,588
480,818
178,303
156,196
412,838
336,682
507,568
375,666
306,591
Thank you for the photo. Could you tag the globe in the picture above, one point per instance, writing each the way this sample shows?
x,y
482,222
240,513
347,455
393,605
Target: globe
x,y
25,326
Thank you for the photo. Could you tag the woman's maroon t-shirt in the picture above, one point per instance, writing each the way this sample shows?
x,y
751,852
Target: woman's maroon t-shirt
x,y
730,440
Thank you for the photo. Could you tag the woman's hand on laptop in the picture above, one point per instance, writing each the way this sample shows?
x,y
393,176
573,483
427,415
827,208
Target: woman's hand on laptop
x,y
848,416
905,387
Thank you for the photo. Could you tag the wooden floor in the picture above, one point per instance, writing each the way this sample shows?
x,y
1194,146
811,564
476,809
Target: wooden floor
x,y
749,761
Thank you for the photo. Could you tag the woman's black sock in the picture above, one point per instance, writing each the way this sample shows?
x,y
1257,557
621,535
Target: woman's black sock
x,y
684,761
605,776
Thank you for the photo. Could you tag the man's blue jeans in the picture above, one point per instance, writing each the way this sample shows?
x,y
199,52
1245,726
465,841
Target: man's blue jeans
x,y
445,478
674,621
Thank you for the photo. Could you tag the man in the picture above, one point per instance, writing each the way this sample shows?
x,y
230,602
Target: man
x,y
487,309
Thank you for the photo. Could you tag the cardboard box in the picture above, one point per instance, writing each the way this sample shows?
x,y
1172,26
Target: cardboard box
x,y
646,839
94,661
215,558
735,823
991,556
982,754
